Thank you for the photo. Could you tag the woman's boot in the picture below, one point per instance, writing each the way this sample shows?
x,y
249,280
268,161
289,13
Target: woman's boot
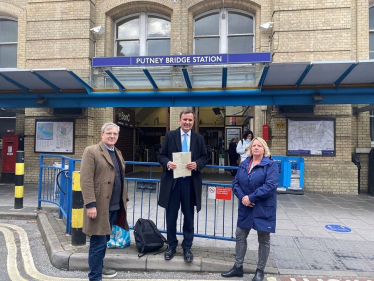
x,y
259,275
233,272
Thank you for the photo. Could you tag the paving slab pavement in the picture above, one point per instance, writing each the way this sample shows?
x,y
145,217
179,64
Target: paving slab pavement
x,y
302,245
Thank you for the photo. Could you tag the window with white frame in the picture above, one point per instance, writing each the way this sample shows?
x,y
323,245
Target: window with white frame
x,y
8,43
142,35
371,32
372,127
224,31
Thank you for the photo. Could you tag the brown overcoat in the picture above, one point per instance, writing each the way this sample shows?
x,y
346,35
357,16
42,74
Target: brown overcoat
x,y
97,178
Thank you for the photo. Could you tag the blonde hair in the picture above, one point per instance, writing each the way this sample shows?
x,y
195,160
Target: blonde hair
x,y
264,145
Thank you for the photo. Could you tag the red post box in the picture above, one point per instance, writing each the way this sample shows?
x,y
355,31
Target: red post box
x,y
10,147
265,132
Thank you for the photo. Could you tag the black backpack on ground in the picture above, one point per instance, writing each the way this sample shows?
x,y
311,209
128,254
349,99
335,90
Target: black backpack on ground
x,y
147,237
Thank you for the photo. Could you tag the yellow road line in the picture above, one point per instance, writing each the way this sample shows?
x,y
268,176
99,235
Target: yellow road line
x,y
11,263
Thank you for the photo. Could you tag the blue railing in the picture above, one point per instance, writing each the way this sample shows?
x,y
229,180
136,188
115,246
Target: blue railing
x,y
216,220
55,183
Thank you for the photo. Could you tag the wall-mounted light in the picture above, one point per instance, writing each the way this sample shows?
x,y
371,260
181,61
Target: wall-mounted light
x,y
98,30
266,26
317,96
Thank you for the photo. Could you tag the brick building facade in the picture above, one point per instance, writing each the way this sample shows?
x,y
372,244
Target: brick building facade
x,y
56,34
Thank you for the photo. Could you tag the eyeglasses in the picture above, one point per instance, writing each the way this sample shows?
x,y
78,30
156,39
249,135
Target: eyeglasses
x,y
111,134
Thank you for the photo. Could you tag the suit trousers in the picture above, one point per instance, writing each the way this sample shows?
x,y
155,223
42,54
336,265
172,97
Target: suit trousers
x,y
181,196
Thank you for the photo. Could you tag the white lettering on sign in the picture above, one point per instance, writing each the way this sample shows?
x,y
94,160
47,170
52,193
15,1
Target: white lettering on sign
x,y
149,60
123,117
207,59
171,60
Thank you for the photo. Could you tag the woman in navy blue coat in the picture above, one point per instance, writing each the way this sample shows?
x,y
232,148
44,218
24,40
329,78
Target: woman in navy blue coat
x,y
255,185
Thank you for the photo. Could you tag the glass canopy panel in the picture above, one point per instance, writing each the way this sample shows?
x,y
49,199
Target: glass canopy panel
x,y
7,86
244,75
206,76
166,77
325,73
27,79
284,74
361,74
130,78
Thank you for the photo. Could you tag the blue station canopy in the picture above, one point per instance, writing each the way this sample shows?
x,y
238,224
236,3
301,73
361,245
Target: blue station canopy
x,y
224,84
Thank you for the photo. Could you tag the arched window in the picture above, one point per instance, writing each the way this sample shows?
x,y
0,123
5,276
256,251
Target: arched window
x,y
8,43
143,35
224,31
371,32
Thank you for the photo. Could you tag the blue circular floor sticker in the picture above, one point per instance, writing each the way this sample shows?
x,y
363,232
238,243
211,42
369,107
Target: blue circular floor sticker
x,y
337,228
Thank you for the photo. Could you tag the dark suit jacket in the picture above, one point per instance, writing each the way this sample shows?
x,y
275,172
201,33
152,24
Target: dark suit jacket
x,y
173,143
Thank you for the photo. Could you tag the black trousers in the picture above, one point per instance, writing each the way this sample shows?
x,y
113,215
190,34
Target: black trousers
x,y
181,195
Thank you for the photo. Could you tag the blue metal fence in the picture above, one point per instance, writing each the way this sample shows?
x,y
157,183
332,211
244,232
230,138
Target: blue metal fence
x,y
217,219
55,183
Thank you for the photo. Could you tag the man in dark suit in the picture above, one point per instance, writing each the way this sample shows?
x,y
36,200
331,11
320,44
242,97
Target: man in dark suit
x,y
182,192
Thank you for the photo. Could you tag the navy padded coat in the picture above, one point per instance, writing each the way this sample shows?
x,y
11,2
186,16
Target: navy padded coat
x,y
261,187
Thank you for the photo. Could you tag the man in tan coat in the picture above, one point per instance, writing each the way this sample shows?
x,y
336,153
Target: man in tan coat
x,y
105,197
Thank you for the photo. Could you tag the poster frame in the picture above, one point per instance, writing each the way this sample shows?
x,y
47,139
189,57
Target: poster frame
x,y
238,133
333,120
55,122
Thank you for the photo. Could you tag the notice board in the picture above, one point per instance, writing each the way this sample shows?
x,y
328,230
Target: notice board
x,y
54,136
311,137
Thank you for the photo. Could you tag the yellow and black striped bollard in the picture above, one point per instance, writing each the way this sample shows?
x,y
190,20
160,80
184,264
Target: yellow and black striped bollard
x,y
18,180
77,236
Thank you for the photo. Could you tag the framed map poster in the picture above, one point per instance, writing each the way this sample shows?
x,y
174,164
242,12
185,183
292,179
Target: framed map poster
x,y
311,137
54,136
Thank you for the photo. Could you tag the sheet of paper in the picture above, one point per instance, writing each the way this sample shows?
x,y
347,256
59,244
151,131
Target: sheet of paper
x,y
181,159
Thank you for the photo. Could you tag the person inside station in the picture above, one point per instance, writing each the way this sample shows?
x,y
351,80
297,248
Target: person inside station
x,y
243,145
233,155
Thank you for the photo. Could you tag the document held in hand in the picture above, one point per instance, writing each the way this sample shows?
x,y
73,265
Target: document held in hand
x,y
181,159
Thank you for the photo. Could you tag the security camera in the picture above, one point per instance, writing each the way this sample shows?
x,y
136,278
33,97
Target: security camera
x,y
266,26
98,30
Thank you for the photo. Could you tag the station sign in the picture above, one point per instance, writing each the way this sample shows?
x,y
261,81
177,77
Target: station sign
x,y
245,58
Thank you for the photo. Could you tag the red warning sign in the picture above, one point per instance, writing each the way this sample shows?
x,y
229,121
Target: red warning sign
x,y
223,193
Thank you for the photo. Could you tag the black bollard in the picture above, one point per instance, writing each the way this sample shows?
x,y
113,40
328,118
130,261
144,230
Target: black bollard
x,y
78,238
18,180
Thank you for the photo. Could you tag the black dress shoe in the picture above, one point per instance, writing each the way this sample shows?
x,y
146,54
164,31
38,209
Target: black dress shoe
x,y
259,275
233,272
169,254
188,256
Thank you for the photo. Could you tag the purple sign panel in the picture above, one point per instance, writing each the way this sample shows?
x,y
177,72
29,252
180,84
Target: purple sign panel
x,y
182,60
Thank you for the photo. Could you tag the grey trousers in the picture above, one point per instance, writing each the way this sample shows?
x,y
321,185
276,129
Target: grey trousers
x,y
241,247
